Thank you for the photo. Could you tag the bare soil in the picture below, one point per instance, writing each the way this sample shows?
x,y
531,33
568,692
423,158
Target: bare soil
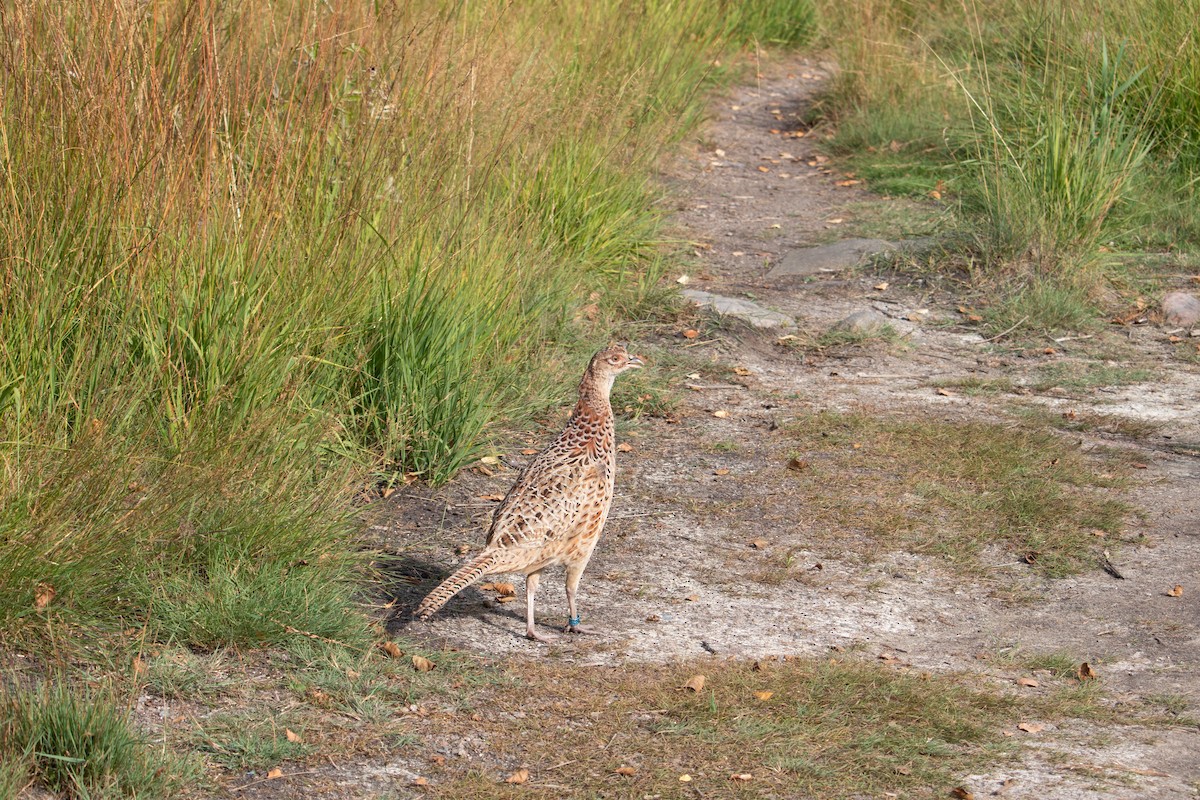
x,y
677,575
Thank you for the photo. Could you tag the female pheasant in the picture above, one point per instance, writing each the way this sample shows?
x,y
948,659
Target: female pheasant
x,y
556,510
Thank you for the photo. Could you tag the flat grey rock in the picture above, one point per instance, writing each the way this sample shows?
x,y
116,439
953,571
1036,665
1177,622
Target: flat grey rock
x,y
752,313
866,322
1181,309
846,254
830,257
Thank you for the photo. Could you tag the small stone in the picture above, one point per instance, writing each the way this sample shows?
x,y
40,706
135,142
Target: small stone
x,y
1181,310
865,322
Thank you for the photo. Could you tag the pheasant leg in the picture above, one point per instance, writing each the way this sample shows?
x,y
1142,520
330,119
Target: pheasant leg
x,y
573,576
531,583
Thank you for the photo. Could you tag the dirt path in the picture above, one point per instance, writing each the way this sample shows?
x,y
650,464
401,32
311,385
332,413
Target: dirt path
x,y
679,574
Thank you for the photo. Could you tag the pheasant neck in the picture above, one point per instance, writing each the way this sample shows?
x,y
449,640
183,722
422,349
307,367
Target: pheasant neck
x,y
594,392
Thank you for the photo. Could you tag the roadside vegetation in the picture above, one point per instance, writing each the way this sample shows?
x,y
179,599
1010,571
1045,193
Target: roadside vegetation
x,y
1063,134
257,258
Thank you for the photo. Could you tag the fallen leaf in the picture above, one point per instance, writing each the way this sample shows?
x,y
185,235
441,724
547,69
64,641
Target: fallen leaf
x,y
490,460
422,664
1174,339
419,781
520,776
846,183
624,447
291,735
691,598
798,464
388,492
691,333
764,695
1086,673
495,498
962,793
139,666
764,169
974,318
882,286
741,371
741,777
1031,727
439,760
721,414
273,773
685,778
392,649
507,598
905,770
353,674
484,471
529,451
837,221
626,770
1048,351
43,594
487,587
758,544
721,471
695,683
945,393
1030,682
504,589
1176,591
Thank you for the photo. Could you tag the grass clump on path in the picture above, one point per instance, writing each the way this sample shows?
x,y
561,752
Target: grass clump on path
x,y
1063,131
954,488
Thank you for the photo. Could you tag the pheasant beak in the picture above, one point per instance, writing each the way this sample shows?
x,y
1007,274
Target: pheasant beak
x,y
635,361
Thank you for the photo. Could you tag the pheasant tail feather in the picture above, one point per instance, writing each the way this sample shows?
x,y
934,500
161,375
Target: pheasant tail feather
x,y
463,577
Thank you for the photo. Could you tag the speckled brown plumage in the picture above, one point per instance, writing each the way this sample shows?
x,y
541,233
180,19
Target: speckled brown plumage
x,y
556,510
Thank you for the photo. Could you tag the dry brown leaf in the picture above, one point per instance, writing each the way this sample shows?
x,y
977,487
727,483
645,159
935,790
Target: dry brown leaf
x,y
495,498
1030,682
422,664
520,776
624,447
291,735
353,674
1086,673
529,451
419,781
1031,727
273,773
625,770
691,333
388,492
882,287
484,471
490,460
764,169
721,414
139,666
691,598
43,594
764,695
847,183
392,649
798,464
962,793
505,589
685,778
439,760
721,471
741,777
487,587
695,683
1175,591
507,598
759,544
742,371
945,393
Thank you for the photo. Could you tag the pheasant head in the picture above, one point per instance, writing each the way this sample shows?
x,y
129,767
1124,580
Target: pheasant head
x,y
605,366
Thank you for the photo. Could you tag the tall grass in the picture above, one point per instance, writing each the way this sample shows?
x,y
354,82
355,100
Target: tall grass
x,y
1060,127
251,256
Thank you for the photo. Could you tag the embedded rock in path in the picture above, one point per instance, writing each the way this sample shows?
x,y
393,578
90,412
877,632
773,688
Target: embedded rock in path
x,y
1181,309
829,258
866,322
752,313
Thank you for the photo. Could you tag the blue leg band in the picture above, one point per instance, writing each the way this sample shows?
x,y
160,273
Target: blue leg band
x,y
573,622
